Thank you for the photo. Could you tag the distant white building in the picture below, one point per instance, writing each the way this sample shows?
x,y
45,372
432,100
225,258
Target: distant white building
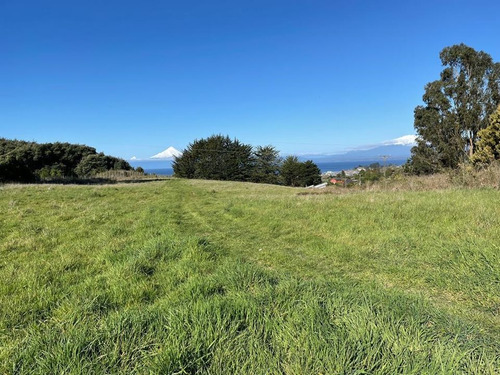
x,y
321,186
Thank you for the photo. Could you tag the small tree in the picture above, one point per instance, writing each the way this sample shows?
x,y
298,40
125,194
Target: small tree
x,y
266,166
290,171
488,146
311,174
96,163
215,158
296,173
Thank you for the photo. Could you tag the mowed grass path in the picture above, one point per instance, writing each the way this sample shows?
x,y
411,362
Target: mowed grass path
x,y
216,277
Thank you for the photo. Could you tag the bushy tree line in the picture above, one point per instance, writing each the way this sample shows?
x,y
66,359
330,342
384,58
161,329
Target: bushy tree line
x,y
22,161
221,158
456,109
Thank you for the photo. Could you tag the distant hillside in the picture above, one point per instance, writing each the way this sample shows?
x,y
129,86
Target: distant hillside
x,y
394,152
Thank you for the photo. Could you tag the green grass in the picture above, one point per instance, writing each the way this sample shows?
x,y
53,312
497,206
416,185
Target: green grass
x,y
207,277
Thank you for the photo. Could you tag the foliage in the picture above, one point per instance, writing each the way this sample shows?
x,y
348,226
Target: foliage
x,y
291,171
22,161
457,107
266,165
296,173
91,164
215,158
223,278
220,158
372,173
424,159
488,147
96,163
363,175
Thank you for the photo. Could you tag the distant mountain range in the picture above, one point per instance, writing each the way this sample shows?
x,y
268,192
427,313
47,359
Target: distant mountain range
x,y
395,151
389,152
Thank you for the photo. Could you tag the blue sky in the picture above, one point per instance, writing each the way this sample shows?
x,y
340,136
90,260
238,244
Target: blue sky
x,y
134,77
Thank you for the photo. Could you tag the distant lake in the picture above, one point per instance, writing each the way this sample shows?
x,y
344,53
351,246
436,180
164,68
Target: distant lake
x,y
335,166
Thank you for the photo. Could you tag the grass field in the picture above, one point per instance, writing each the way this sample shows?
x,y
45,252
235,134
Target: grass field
x,y
199,277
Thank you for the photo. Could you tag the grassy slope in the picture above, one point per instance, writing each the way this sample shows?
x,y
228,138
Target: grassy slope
x,y
213,277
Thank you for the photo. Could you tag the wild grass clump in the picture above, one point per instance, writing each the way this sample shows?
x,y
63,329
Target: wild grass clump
x,y
222,316
474,177
466,176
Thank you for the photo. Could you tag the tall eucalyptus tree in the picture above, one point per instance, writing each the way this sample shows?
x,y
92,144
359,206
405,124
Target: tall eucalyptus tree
x,y
456,107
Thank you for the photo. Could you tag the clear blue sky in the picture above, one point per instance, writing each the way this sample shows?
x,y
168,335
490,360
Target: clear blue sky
x,y
134,77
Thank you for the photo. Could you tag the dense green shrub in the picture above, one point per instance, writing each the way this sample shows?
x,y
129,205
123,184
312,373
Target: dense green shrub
x,y
22,161
296,173
97,163
267,164
215,158
488,147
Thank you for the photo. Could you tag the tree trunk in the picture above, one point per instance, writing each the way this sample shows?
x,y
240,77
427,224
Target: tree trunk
x,y
471,146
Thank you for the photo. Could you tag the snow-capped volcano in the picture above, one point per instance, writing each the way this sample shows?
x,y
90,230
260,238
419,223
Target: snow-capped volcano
x,y
405,140
169,153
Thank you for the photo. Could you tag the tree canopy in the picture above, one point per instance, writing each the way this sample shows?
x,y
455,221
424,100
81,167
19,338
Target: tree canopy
x,y
215,158
296,173
96,163
488,146
22,161
220,158
456,107
266,165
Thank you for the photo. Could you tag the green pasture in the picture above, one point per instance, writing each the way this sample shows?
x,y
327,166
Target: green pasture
x,y
205,277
